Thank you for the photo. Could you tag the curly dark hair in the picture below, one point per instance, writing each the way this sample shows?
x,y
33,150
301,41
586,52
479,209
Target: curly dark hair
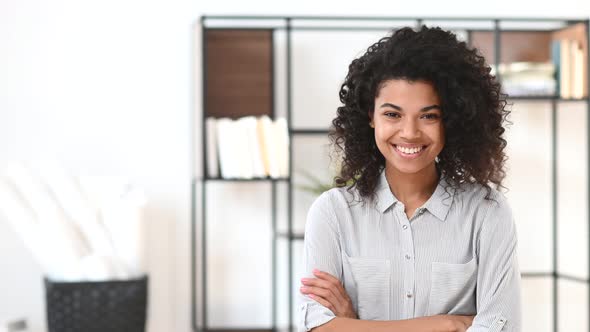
x,y
473,108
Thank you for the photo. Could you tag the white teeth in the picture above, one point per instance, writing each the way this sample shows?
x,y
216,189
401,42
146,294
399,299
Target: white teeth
x,y
409,150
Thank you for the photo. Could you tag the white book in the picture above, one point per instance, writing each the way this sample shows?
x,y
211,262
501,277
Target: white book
x,y
282,139
262,128
212,153
241,145
251,123
224,147
271,147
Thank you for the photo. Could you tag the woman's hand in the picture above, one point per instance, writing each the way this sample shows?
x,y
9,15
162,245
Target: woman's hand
x,y
328,291
461,323
449,323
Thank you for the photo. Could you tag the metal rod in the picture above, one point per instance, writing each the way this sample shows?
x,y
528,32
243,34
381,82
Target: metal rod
x,y
193,257
274,255
203,185
587,25
572,278
290,182
273,194
354,28
554,211
310,131
390,18
193,221
419,23
497,49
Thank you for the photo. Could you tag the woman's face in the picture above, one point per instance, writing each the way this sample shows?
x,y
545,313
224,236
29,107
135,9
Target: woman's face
x,y
408,125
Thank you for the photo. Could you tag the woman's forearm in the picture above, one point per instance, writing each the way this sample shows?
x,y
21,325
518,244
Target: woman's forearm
x,y
423,324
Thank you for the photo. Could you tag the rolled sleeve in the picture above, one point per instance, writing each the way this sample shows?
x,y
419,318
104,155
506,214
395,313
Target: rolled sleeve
x,y
313,315
498,280
321,250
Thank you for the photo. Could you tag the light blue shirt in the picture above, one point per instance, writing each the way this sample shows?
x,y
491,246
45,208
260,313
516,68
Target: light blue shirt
x,y
456,255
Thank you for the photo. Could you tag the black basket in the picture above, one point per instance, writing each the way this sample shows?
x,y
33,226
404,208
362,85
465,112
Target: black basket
x,y
97,306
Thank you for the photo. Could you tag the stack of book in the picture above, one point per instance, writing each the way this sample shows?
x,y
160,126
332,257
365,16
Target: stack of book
x,y
247,148
528,78
569,51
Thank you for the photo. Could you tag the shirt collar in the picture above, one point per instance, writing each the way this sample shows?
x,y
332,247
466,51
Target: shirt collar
x,y
438,204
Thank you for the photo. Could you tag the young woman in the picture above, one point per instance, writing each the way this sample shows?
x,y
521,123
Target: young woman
x,y
422,240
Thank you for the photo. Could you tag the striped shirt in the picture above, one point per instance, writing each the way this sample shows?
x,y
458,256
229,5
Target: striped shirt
x,y
456,255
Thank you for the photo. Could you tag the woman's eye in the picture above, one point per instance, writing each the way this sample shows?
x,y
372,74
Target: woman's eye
x,y
430,116
392,115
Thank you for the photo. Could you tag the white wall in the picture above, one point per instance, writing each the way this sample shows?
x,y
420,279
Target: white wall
x,y
106,86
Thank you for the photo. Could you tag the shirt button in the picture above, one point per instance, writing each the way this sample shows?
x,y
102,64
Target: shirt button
x,y
405,227
409,295
408,256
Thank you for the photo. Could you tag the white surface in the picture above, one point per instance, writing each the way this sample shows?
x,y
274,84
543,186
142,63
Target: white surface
x,y
107,87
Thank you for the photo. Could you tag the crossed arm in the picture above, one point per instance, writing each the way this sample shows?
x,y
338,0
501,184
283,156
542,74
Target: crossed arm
x,y
329,308
328,291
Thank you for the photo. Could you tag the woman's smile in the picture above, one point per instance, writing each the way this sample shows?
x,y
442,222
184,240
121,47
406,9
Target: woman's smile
x,y
409,152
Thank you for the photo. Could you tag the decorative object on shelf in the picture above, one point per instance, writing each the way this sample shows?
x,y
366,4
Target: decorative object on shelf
x,y
317,185
86,233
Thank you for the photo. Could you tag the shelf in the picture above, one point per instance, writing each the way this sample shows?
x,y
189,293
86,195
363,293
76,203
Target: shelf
x,y
241,59
292,237
309,131
541,98
244,180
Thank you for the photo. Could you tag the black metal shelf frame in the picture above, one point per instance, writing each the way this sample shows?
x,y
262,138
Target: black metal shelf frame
x,y
288,27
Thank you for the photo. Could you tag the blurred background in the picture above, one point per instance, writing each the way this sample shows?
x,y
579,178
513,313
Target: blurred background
x,y
113,88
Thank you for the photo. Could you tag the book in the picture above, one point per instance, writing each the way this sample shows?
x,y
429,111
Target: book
x,y
250,124
282,139
224,146
565,62
573,71
577,69
212,152
262,129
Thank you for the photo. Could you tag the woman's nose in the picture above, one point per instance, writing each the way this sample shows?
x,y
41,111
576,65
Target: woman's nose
x,y
410,130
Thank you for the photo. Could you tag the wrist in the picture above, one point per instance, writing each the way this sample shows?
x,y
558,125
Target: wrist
x,y
450,325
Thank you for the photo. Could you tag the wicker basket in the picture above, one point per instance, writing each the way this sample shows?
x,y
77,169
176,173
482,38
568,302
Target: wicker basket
x,y
97,306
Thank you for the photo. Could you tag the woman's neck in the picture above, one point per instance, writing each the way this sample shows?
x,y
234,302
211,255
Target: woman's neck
x,y
412,189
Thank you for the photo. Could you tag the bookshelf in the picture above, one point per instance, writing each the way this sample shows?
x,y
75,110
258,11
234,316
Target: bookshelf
x,y
257,38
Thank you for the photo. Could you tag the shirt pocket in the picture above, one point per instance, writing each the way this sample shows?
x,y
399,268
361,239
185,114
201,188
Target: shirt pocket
x,y
452,288
372,279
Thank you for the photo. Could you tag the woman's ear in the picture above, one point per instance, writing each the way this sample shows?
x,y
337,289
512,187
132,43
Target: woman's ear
x,y
371,123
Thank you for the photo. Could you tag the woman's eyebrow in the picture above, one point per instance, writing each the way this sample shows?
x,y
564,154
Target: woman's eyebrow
x,y
424,109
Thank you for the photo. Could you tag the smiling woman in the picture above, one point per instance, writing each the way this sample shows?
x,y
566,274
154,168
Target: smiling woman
x,y
432,246
407,133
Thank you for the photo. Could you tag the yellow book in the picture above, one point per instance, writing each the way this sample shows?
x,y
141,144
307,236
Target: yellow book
x,y
565,64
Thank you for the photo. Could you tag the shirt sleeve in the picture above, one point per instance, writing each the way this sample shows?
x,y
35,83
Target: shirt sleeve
x,y
498,279
321,250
